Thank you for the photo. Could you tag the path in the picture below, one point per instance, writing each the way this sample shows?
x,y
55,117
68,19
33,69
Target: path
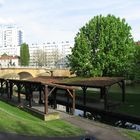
x,y
99,130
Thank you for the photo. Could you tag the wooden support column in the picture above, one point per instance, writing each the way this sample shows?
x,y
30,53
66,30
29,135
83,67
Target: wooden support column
x,y
123,91
67,106
54,99
27,94
73,103
46,92
84,99
19,90
40,97
2,88
30,97
1,83
101,93
105,98
7,89
11,90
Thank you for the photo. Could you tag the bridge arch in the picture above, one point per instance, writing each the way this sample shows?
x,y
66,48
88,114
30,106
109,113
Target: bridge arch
x,y
25,75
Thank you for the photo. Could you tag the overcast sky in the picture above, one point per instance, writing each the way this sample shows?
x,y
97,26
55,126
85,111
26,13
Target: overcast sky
x,y
59,20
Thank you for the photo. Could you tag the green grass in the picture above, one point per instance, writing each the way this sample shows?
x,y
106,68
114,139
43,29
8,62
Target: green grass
x,y
132,101
134,135
15,120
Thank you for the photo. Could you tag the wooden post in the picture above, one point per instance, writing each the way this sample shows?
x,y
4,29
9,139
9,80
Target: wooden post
x,y
123,91
11,90
40,97
30,99
19,90
84,99
73,103
54,100
7,89
30,95
2,88
46,100
101,93
105,98
67,106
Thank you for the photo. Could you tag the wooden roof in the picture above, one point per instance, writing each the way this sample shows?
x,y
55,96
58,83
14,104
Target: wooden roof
x,y
93,82
50,81
60,82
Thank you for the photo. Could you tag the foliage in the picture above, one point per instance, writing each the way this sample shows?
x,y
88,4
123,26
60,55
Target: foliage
x,y
24,54
40,57
137,63
15,120
103,47
56,57
4,54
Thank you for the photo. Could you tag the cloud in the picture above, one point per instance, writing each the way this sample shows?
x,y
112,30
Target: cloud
x,y
46,20
1,2
7,20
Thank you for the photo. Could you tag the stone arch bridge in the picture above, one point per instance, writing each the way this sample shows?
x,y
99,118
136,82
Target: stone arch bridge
x,y
25,73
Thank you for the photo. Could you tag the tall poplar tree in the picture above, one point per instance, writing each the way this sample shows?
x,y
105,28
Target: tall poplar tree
x,y
24,54
103,47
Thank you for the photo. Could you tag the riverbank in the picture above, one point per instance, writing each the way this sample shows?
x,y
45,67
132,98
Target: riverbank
x,y
98,130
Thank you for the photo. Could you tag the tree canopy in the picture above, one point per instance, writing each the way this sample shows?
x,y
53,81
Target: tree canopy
x,y
103,47
24,54
40,57
136,67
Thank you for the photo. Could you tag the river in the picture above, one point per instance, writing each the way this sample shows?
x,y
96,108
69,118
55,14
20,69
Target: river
x,y
133,89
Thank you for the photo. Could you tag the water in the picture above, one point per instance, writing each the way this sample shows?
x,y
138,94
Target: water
x,y
111,121
78,112
131,90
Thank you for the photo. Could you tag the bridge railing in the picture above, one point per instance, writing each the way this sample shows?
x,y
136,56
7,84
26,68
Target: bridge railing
x,y
37,67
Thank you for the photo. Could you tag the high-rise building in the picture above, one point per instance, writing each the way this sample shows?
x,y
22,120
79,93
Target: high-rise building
x,y
10,40
51,55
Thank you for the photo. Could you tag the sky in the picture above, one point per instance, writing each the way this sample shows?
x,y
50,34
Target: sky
x,y
59,20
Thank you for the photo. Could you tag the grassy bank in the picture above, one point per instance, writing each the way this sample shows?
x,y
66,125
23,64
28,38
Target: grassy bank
x,y
132,101
15,120
134,135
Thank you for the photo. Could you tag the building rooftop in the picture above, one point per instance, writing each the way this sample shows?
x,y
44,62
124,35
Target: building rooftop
x,y
5,57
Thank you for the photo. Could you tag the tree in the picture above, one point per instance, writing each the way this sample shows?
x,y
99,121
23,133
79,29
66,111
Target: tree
x,y
136,67
40,57
4,54
24,54
55,57
103,47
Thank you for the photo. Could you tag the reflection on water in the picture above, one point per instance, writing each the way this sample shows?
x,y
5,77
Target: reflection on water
x,y
127,125
130,89
78,112
111,121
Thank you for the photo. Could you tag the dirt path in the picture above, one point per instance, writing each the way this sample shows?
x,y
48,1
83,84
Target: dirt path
x,y
98,130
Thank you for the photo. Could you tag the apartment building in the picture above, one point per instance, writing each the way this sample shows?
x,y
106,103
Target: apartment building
x,y
50,54
10,40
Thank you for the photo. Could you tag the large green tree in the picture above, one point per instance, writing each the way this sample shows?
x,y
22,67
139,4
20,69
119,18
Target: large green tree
x,y
24,54
136,67
103,47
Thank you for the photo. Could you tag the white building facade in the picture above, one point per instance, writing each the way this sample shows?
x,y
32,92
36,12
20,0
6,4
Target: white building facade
x,y
10,40
9,61
51,55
